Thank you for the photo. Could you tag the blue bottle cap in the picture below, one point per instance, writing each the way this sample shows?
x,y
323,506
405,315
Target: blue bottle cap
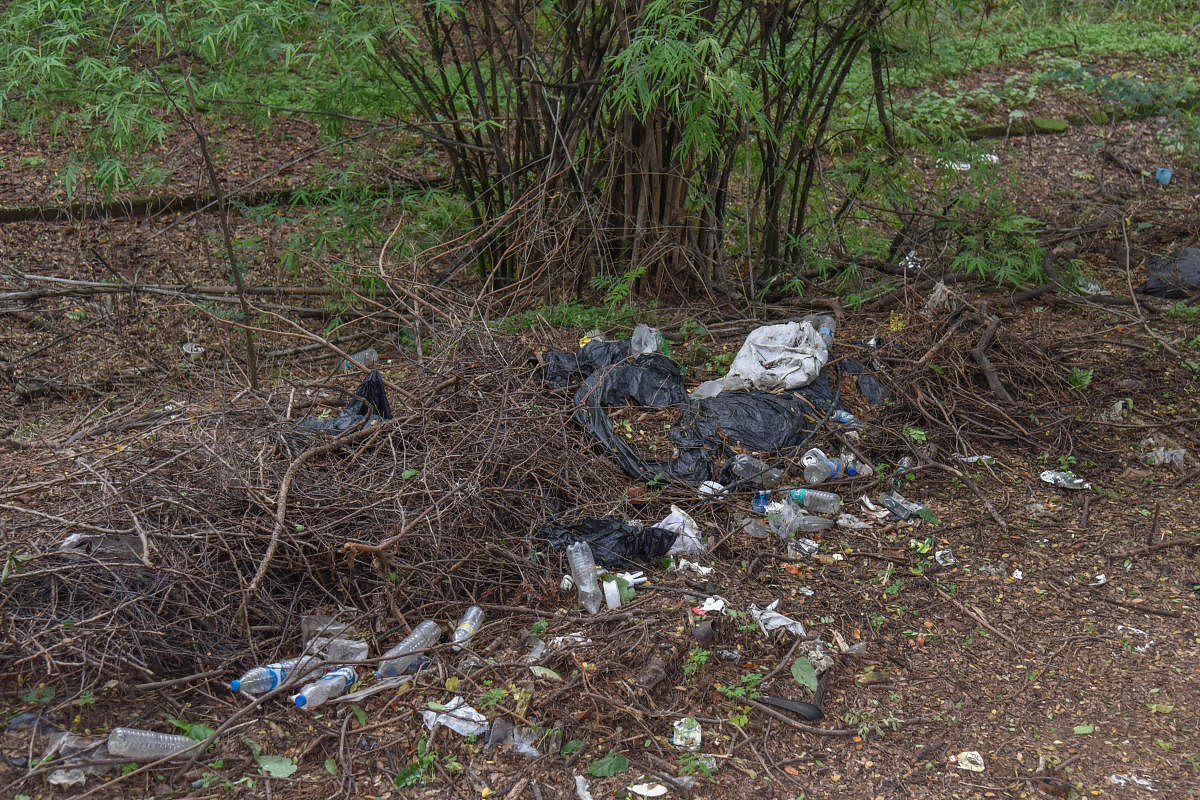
x,y
235,684
301,700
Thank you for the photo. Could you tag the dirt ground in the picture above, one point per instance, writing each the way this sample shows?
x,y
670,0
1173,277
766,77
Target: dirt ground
x,y
1060,643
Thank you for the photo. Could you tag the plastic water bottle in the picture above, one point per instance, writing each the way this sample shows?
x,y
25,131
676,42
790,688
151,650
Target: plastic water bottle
x,y
825,325
583,571
396,660
368,358
819,467
142,745
760,501
470,622
817,501
748,468
330,685
264,679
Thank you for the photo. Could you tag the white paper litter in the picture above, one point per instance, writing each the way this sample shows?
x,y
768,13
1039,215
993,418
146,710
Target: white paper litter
x,y
648,789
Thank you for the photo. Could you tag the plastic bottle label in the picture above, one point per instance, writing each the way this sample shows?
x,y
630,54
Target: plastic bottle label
x,y
465,627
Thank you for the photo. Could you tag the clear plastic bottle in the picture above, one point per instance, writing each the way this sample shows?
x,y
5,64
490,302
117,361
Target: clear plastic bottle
x,y
819,467
817,501
472,618
395,661
368,358
264,679
825,325
329,685
748,468
583,571
140,745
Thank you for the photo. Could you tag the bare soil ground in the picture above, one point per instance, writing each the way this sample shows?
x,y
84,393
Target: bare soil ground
x,y
1068,684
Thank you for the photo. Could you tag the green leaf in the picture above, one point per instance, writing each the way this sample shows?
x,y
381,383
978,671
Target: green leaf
x,y
331,766
277,766
1161,708
610,764
192,730
545,672
411,472
805,673
359,714
1086,728
571,746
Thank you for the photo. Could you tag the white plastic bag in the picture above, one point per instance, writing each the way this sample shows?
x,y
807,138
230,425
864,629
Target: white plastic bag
x,y
688,541
785,356
458,717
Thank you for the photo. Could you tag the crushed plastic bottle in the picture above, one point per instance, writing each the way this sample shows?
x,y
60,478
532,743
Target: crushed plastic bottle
x,y
367,358
139,745
760,501
645,340
470,622
264,679
817,501
787,519
583,571
1065,478
328,686
825,325
397,659
819,467
756,471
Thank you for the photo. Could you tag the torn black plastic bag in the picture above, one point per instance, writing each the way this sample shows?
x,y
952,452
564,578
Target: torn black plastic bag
x,y
568,369
651,380
754,420
868,385
368,406
1174,277
614,542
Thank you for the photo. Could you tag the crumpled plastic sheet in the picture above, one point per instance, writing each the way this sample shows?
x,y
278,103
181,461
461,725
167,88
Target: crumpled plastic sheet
x,y
1174,277
769,619
614,542
784,356
369,405
458,717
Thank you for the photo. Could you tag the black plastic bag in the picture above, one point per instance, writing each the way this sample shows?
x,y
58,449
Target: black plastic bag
x,y
369,405
568,369
614,542
1174,277
868,385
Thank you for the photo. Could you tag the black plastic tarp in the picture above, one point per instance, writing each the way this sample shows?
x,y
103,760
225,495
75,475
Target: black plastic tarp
x,y
615,543
1174,277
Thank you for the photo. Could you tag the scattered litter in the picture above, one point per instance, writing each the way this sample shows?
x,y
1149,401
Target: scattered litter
x,y
803,548
1163,175
566,584
769,619
714,603
1065,478
374,688
989,569
1100,580
691,566
852,522
537,649
788,518
903,508
192,349
756,528
458,717
1163,456
1174,277
986,459
922,546
569,640
1113,413
760,502
957,166
1142,647
728,655
817,653
687,734
103,546
873,510
520,739
806,591
945,558
712,489
1091,286
687,532
582,788
647,789
1127,778
1018,575
843,417
968,759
